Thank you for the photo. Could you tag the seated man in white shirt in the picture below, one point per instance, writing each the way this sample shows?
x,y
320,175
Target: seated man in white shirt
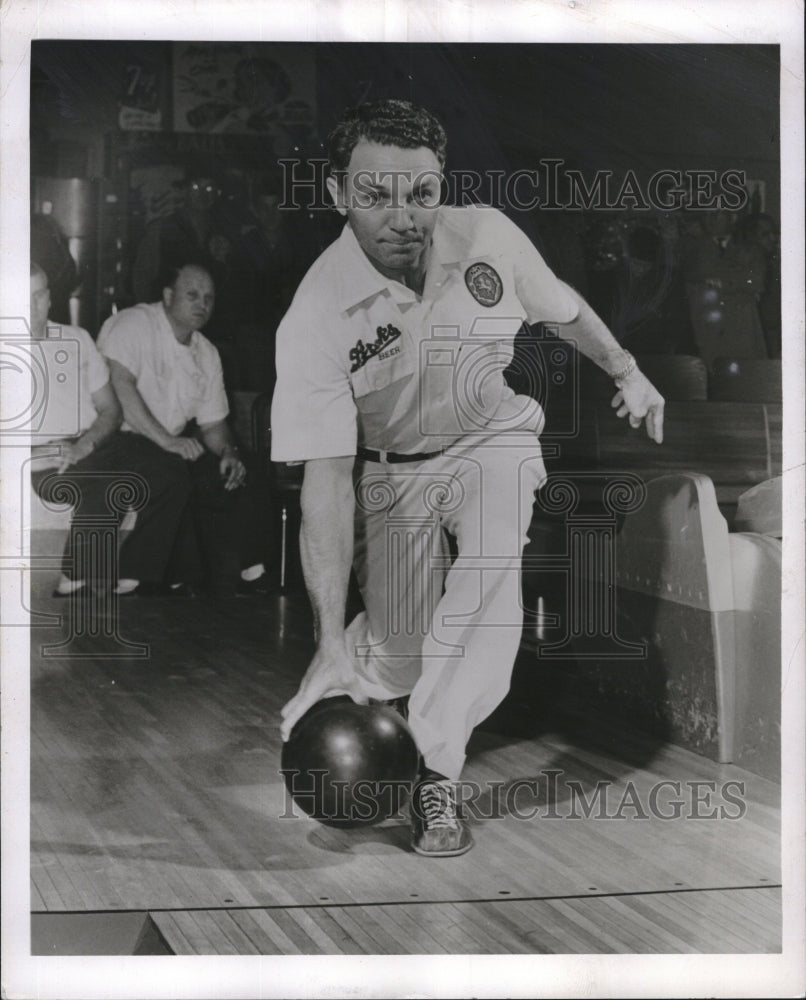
x,y
169,380
87,455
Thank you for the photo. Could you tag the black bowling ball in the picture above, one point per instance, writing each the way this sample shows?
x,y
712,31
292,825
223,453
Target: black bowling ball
x,y
349,765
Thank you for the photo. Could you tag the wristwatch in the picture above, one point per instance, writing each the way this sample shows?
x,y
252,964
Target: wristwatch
x,y
626,369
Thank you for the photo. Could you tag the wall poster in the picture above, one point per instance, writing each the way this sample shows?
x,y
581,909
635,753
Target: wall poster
x,y
244,89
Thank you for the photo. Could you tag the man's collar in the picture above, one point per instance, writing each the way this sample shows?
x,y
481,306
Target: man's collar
x,y
168,329
360,280
164,322
452,243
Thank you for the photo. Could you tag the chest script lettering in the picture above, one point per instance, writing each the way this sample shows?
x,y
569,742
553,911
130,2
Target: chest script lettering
x,y
362,352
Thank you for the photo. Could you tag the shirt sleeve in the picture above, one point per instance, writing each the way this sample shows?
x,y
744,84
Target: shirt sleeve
x,y
313,412
214,407
542,295
121,340
96,368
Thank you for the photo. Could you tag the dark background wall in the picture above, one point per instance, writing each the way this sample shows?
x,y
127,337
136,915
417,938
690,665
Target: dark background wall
x,y
619,108
641,107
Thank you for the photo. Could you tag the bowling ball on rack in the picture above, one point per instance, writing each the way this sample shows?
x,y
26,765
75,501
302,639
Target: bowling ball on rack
x,y
349,765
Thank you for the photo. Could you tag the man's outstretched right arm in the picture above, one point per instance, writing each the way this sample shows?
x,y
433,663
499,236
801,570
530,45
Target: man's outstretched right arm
x,y
326,547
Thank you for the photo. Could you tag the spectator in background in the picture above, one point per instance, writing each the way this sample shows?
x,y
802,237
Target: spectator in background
x,y
636,283
761,231
190,233
50,250
652,315
169,380
603,242
90,453
724,281
642,280
267,261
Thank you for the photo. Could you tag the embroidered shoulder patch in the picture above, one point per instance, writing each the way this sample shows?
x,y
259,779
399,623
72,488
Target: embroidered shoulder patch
x,y
484,284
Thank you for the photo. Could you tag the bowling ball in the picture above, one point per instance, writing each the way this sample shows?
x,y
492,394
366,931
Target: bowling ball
x,y
349,765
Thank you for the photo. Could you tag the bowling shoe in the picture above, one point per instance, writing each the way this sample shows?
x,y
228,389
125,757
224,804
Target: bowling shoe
x,y
436,829
79,594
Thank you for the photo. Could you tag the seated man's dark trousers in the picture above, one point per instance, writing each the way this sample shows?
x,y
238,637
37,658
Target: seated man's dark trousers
x,y
145,552
222,531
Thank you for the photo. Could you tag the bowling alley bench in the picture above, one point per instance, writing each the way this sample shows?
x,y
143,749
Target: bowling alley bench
x,y
659,570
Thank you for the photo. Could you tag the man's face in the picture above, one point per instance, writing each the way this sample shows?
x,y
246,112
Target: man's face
x,y
391,198
40,304
201,193
190,303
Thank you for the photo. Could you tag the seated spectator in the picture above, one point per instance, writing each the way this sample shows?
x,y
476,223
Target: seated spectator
x,y
169,380
92,459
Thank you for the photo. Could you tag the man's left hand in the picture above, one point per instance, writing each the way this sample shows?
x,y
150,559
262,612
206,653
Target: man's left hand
x,y
232,469
639,398
71,452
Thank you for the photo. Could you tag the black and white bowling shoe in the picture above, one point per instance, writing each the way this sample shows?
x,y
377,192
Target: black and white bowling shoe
x,y
437,830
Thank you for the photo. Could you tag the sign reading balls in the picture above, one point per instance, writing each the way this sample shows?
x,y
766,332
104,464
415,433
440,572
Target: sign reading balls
x,y
484,284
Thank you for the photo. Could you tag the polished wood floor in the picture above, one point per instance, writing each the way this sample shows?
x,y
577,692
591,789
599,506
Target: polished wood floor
x,y
155,788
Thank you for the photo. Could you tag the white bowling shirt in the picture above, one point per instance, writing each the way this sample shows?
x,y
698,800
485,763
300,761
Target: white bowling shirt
x,y
75,370
178,382
364,360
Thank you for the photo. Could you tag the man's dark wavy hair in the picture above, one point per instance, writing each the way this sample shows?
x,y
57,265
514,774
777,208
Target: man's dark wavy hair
x,y
390,122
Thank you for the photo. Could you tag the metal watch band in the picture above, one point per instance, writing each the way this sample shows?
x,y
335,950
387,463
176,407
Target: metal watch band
x,y
626,370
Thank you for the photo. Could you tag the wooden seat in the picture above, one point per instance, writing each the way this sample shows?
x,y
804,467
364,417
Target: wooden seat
x,y
746,380
702,600
706,604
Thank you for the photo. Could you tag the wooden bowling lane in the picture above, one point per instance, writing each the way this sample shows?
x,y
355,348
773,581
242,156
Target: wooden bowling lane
x,y
155,788
700,922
